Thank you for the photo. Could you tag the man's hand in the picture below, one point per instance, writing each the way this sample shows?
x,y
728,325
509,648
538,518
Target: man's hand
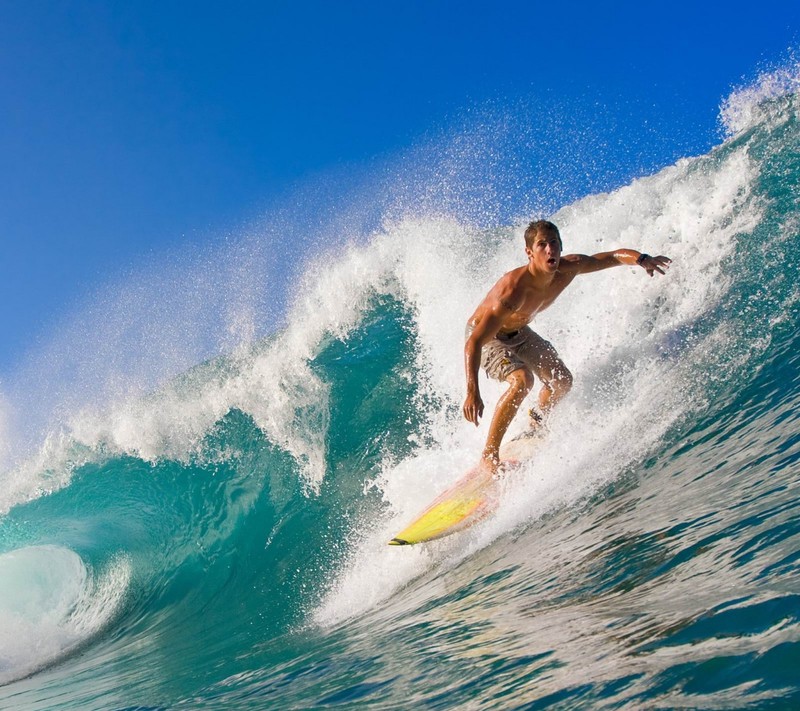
x,y
473,408
654,264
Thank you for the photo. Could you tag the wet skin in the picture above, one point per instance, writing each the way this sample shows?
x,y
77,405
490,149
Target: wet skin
x,y
511,304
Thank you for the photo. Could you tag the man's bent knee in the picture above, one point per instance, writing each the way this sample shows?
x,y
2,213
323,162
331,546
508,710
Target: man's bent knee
x,y
521,380
562,381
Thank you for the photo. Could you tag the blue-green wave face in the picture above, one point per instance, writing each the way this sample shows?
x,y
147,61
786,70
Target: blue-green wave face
x,y
220,541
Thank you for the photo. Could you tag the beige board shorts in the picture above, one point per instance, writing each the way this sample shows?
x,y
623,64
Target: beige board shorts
x,y
524,348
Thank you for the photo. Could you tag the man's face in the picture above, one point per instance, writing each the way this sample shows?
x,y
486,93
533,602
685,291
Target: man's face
x,y
545,252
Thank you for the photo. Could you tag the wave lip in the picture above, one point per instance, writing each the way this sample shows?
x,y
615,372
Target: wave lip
x,y
50,603
754,103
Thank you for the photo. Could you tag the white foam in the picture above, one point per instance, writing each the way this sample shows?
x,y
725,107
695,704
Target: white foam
x,y
609,327
5,431
50,603
756,101
440,268
273,381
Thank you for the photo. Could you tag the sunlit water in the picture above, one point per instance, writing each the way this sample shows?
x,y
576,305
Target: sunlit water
x,y
221,542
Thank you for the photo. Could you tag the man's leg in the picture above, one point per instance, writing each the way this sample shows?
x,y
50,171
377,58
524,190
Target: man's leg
x,y
558,384
520,383
545,363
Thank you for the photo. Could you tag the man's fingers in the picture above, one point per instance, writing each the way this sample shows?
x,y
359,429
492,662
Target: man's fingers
x,y
658,264
472,414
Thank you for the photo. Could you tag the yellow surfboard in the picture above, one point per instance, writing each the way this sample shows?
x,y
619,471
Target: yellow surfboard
x,y
470,500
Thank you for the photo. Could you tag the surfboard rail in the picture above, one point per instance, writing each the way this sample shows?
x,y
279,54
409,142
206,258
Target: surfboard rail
x,y
468,501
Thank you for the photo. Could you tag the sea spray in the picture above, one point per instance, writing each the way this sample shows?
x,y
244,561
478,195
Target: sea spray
x,y
692,212
646,557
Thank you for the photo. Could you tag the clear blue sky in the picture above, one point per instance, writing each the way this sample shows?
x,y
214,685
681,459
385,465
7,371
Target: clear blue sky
x,y
129,127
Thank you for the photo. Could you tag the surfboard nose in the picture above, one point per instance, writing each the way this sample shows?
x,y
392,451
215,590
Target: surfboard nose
x,y
398,542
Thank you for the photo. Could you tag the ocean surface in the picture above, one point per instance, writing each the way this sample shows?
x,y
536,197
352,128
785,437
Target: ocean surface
x,y
219,541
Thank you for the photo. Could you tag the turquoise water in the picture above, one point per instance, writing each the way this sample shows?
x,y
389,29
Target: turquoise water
x,y
221,541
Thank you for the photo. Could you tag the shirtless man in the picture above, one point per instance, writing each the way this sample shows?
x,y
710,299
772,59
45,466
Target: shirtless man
x,y
499,338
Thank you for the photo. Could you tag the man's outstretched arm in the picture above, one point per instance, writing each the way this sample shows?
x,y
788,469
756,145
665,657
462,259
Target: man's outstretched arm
x,y
585,264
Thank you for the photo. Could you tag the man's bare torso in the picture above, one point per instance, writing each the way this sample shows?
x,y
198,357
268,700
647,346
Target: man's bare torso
x,y
520,297
511,304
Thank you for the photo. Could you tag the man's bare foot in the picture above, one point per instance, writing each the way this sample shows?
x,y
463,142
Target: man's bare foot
x,y
490,462
495,466
536,419
537,425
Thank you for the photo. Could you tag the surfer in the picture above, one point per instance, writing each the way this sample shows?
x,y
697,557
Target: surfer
x,y
499,338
